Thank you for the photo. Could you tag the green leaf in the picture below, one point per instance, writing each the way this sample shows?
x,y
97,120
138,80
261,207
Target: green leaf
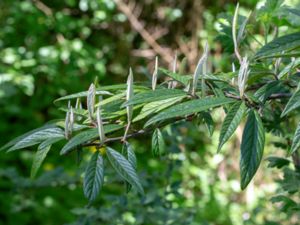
x,y
80,95
288,68
93,177
38,159
86,136
208,120
130,155
154,107
41,154
158,143
282,44
267,90
156,95
124,168
252,148
231,122
183,79
36,137
14,141
277,162
296,141
189,107
293,103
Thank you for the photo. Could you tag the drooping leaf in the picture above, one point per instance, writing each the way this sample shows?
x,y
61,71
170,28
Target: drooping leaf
x,y
296,141
93,177
41,154
208,120
189,107
154,107
124,168
37,137
156,95
130,155
231,122
158,143
86,136
252,148
183,79
278,45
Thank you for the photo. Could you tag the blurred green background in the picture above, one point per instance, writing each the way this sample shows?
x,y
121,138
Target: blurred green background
x,y
50,48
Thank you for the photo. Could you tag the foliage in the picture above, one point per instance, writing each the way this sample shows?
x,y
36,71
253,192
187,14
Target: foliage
x,y
104,123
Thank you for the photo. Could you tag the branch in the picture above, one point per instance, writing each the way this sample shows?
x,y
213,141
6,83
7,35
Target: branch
x,y
44,8
136,25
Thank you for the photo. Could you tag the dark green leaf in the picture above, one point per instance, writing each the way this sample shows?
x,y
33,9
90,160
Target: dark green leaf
x,y
189,107
282,44
124,169
267,90
231,122
296,141
158,143
252,148
87,135
208,120
93,177
293,103
277,162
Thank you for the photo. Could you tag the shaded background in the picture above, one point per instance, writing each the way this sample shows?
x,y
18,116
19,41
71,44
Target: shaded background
x,y
52,48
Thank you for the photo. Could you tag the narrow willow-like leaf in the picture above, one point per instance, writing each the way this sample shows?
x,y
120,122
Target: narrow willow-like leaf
x,y
93,177
157,95
41,154
155,73
289,68
124,169
91,100
18,139
81,95
231,122
242,29
155,107
296,141
208,120
252,148
158,143
183,79
87,135
129,95
278,45
37,137
267,90
130,155
189,107
293,103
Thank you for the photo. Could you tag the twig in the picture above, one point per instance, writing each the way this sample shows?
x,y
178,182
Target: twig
x,y
136,24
